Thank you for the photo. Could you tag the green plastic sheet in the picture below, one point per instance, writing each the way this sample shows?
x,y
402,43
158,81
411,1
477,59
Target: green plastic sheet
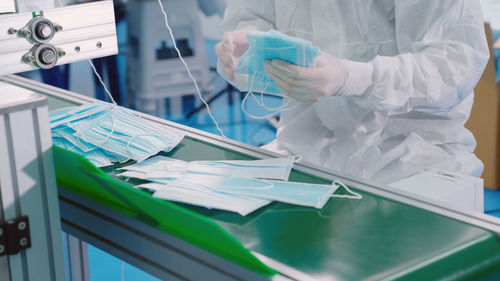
x,y
75,173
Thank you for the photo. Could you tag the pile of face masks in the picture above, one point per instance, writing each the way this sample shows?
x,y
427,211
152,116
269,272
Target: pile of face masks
x,y
272,45
106,134
236,186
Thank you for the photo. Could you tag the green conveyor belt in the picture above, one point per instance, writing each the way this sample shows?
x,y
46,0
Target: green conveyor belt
x,y
374,238
75,173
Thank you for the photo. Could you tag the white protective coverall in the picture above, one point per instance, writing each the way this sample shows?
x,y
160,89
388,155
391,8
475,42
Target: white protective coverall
x,y
413,67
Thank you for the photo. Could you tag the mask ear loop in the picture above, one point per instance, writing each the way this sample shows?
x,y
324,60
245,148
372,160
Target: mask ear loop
x,y
274,110
354,195
108,136
263,104
250,92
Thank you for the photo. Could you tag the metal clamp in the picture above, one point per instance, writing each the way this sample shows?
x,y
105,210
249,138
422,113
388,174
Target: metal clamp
x,y
38,30
44,56
14,236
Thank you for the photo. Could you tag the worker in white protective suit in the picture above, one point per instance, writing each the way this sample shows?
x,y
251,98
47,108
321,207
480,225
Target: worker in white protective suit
x,y
392,90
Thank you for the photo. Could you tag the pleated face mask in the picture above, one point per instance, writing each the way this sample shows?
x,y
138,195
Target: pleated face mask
x,y
99,131
272,45
301,194
164,167
199,190
219,192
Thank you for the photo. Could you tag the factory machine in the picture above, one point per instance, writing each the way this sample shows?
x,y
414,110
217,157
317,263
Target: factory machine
x,y
392,233
38,35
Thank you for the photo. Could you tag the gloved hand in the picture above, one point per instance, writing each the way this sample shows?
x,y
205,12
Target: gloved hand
x,y
309,85
229,51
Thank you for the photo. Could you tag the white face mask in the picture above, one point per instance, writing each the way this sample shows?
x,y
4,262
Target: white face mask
x,y
213,191
230,185
159,164
165,167
272,168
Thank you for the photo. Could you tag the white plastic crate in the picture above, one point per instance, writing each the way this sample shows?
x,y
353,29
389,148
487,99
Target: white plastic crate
x,y
28,186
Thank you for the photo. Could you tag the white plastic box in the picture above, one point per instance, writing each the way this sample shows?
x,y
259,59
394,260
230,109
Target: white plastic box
x,y
457,190
28,186
7,6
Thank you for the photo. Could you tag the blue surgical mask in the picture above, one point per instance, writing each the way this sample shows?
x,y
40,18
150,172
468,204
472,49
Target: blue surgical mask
x,y
269,46
201,182
68,134
113,130
84,113
195,190
301,194
193,187
98,157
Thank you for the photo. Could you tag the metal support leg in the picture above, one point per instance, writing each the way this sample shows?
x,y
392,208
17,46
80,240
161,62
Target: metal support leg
x,y
78,259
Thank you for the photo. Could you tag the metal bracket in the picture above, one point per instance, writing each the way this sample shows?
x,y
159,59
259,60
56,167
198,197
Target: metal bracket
x,y
14,236
60,35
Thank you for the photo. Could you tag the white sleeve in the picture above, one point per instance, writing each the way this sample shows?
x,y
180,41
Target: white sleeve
x,y
443,52
249,14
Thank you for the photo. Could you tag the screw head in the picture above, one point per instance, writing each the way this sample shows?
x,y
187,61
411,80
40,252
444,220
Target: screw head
x,y
44,30
98,45
25,33
77,49
21,226
30,58
23,242
47,56
12,30
58,28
